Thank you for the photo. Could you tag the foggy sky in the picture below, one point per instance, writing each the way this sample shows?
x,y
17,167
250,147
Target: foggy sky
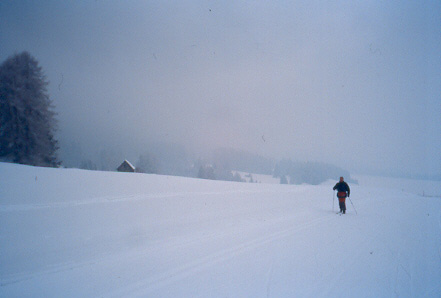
x,y
354,84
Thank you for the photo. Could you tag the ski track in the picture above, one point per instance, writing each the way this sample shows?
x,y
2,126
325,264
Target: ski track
x,y
171,275
50,270
439,225
329,288
126,198
269,279
142,287
245,233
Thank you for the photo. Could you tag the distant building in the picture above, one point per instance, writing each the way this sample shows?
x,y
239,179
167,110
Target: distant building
x,y
126,166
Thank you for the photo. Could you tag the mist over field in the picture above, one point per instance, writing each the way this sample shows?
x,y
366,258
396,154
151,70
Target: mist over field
x,y
126,125
355,85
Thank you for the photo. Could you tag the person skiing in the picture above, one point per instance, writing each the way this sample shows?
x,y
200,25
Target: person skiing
x,y
343,191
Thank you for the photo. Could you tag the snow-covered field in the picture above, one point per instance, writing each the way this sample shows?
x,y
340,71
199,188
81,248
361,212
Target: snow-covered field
x,y
74,233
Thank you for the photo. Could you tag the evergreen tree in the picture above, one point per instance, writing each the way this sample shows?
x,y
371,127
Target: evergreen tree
x,y
87,164
206,172
27,119
283,180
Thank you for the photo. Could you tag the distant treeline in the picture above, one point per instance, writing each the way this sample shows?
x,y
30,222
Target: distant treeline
x,y
174,159
308,172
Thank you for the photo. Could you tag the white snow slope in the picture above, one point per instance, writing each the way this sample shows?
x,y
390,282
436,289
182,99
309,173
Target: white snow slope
x,y
74,233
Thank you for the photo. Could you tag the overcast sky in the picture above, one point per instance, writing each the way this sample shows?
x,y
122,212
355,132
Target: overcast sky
x,y
353,83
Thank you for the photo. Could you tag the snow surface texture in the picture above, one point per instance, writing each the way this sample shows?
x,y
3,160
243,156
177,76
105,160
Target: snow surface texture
x,y
75,233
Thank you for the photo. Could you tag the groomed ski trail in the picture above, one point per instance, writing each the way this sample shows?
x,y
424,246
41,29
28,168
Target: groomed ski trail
x,y
144,287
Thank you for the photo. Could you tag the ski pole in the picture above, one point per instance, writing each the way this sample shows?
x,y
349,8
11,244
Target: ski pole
x,y
333,199
353,205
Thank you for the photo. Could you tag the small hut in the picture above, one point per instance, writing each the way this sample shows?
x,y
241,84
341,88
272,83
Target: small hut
x,y
126,166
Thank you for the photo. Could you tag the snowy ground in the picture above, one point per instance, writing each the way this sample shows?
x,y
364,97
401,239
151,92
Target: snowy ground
x,y
74,233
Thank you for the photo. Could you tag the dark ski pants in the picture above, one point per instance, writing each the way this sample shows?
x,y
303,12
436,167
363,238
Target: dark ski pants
x,y
342,206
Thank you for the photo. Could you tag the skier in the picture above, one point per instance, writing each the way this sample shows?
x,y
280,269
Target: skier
x,y
343,191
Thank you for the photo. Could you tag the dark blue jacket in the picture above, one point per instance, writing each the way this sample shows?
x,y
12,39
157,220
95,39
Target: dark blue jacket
x,y
342,186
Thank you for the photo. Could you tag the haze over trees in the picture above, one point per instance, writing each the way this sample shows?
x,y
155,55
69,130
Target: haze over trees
x,y
28,124
147,164
308,172
27,119
243,161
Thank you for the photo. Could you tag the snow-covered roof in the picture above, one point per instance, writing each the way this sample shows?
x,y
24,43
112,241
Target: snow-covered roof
x,y
128,162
